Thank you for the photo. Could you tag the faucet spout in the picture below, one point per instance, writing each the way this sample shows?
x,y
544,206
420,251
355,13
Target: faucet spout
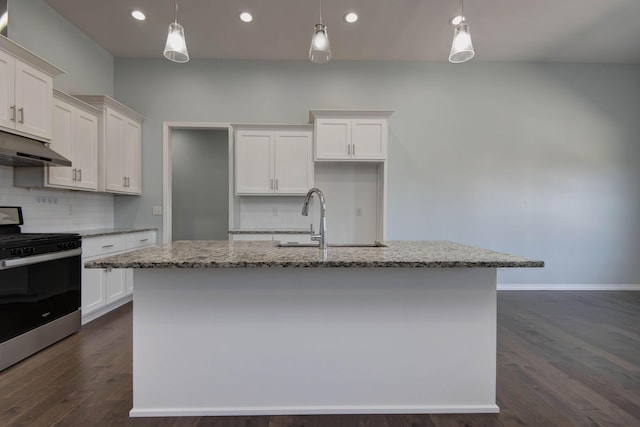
x,y
322,236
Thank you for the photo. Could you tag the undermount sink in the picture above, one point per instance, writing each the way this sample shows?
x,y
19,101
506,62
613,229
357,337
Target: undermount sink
x,y
331,245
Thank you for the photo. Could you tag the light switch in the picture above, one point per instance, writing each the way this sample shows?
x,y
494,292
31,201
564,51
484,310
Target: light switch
x,y
157,210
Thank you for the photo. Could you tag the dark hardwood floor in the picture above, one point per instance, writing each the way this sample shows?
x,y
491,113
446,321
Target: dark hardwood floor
x,y
564,359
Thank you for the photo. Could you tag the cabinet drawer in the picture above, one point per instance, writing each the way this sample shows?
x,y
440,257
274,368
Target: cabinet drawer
x,y
293,238
94,246
140,240
261,236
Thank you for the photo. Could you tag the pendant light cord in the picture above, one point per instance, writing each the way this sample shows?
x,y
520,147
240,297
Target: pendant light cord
x,y
321,12
462,8
176,12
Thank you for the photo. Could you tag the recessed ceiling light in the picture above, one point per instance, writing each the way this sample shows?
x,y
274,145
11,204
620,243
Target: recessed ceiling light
x,y
458,19
137,14
246,17
351,17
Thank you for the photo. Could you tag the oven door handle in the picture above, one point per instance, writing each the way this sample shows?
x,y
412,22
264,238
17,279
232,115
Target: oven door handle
x,y
20,262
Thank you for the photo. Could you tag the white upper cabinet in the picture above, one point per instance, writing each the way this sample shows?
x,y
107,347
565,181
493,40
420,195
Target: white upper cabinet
x,y
26,92
119,146
345,135
293,161
75,136
274,159
254,162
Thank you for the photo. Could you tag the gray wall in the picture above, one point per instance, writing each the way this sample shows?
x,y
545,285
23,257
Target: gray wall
x,y
88,67
200,184
535,159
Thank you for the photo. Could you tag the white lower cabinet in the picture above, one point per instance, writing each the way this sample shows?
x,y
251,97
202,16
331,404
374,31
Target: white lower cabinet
x,y
284,238
104,289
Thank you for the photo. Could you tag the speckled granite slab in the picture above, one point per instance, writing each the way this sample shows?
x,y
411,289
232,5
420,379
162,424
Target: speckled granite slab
x,y
243,254
99,232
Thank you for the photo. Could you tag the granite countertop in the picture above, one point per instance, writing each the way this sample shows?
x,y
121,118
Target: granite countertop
x,y
99,232
267,231
243,254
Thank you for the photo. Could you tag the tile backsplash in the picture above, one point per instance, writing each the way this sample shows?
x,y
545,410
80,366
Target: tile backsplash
x,y
49,210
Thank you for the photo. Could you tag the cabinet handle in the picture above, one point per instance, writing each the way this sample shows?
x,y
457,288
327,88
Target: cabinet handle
x,y
353,150
143,240
106,246
124,181
272,183
21,111
73,171
128,182
348,149
80,175
276,183
13,113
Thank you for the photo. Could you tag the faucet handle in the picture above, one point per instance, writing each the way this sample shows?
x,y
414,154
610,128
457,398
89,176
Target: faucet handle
x,y
314,236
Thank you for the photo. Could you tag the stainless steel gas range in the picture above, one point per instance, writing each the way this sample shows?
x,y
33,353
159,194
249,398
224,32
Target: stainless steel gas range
x,y
40,282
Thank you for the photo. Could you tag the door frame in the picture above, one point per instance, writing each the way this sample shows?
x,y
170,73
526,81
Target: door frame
x,y
167,128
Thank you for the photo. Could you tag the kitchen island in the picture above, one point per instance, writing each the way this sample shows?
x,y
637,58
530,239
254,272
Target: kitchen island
x,y
250,328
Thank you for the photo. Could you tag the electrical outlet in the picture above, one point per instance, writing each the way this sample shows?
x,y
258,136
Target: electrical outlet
x,y
157,210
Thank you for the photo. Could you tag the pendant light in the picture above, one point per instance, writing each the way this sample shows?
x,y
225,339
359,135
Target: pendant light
x,y
462,47
176,48
320,51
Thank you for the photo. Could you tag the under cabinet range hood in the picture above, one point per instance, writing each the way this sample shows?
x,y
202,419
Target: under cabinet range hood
x,y
20,151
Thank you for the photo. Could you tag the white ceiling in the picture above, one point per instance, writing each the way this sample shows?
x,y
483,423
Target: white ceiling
x,y
600,31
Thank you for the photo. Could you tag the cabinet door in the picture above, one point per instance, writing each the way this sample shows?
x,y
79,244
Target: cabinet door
x,y
132,152
93,290
333,138
128,278
34,100
7,93
293,162
62,144
115,286
85,150
113,160
254,162
369,139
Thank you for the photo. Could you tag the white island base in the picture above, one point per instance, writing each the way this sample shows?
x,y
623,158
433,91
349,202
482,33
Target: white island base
x,y
265,341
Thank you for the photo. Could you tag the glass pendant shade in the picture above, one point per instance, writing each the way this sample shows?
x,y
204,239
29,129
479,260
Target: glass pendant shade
x,y
176,48
320,51
462,47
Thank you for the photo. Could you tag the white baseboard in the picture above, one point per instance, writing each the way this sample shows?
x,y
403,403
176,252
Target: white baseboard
x,y
567,287
104,310
313,410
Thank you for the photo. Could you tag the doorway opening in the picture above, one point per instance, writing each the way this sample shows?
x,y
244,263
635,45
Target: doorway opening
x,y
196,181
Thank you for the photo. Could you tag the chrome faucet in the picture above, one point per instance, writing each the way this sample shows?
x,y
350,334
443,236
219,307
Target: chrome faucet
x,y
322,237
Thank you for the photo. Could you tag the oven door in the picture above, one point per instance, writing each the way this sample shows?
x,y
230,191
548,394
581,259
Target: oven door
x,y
38,289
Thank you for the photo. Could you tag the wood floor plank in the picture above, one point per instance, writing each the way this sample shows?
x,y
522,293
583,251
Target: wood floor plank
x,y
564,359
